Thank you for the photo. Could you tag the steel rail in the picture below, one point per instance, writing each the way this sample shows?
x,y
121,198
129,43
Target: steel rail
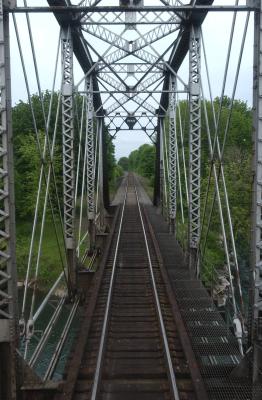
x,y
172,375
186,343
107,310
75,362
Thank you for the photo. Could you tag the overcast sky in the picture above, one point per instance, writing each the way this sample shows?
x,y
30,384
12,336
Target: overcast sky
x,y
216,29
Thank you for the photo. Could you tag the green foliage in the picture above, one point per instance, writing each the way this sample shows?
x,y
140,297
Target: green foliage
x,y
237,169
124,163
27,161
237,155
27,155
118,171
142,161
27,167
238,177
50,259
110,158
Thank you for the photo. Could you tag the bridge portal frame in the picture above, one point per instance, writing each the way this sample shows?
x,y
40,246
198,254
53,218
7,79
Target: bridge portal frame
x,y
7,213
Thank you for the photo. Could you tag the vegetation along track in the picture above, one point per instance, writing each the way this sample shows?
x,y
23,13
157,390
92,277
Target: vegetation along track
x,y
133,343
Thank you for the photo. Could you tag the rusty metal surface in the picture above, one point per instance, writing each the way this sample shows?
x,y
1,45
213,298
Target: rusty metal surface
x,y
197,381
204,352
73,365
214,345
134,363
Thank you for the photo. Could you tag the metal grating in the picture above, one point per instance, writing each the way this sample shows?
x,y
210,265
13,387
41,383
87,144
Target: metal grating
x,y
215,347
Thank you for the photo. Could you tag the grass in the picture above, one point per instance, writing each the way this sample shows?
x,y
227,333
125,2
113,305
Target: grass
x,y
50,261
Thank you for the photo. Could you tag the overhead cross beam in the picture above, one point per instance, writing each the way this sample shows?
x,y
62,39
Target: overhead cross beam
x,y
79,45
181,45
199,8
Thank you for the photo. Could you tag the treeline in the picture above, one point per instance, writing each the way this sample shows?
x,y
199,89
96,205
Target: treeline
x,y
141,161
236,147
27,148
27,166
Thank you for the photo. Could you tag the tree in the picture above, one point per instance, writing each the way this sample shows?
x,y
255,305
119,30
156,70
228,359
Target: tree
x,y
124,163
26,149
142,161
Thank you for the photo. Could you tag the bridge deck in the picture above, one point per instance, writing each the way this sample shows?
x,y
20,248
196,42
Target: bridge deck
x,y
215,347
133,361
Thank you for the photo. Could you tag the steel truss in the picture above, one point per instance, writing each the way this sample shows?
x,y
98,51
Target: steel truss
x,y
197,9
68,150
108,75
8,274
90,161
172,154
194,143
256,277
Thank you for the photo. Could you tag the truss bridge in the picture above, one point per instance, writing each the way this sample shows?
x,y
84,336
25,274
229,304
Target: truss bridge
x,y
143,283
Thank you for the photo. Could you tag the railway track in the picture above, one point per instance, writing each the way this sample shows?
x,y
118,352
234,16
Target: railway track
x,y
133,344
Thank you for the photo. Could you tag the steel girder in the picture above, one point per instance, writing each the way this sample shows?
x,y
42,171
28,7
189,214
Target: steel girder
x,y
79,45
161,164
131,68
8,274
68,150
194,141
157,182
181,46
179,52
172,154
124,18
90,160
106,199
99,132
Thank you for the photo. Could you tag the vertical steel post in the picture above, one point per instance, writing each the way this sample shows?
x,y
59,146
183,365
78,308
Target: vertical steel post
x,y
172,153
68,151
161,166
194,144
157,167
101,169
256,335
8,275
90,162
105,167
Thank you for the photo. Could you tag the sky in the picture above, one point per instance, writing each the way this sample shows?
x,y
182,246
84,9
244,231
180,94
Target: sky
x,y
216,31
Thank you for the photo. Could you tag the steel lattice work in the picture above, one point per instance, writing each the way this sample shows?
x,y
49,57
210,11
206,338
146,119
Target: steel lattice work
x,y
141,70
172,152
68,147
195,139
